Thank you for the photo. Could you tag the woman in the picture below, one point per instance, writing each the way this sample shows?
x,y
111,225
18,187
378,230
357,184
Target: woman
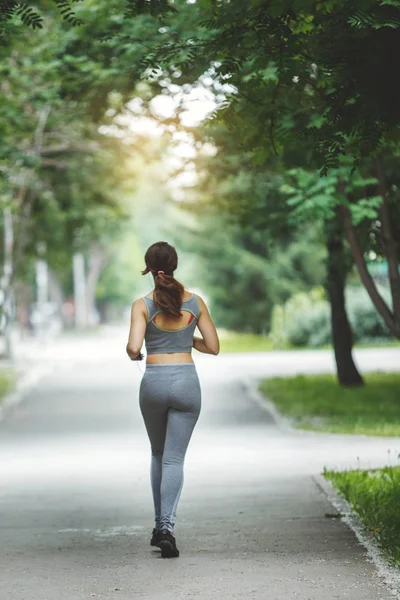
x,y
170,395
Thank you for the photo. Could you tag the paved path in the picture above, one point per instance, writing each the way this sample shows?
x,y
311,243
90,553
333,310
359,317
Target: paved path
x,y
75,498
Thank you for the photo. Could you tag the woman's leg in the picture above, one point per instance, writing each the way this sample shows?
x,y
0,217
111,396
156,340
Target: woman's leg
x,y
154,407
182,417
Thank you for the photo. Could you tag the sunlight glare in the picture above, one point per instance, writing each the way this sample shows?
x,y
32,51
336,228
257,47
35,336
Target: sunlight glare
x,y
163,106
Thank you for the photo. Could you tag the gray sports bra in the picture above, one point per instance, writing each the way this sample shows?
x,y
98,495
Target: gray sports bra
x,y
165,341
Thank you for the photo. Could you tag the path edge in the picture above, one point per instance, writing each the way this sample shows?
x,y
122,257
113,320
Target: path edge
x,y
24,385
251,387
389,573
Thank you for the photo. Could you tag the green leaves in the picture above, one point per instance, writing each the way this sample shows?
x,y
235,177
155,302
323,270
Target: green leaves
x,y
362,19
329,61
32,18
67,13
364,209
310,196
374,20
313,197
29,16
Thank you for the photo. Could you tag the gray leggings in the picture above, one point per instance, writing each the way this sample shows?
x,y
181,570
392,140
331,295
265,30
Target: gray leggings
x,y
170,401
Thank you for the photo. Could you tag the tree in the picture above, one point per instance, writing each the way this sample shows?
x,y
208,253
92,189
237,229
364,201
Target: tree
x,y
61,180
255,197
368,205
334,59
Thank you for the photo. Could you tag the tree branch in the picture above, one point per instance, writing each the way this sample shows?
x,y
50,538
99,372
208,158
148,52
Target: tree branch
x,y
55,164
38,135
366,278
390,245
64,148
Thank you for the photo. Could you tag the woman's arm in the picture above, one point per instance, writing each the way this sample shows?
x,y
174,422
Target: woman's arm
x,y
137,330
209,343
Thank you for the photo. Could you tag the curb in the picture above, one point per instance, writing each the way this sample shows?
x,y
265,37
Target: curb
x,y
389,573
24,385
280,421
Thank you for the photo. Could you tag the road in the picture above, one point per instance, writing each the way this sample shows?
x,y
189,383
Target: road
x,y
75,502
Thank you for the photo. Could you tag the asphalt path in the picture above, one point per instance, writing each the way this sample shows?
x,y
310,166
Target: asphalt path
x,y
75,501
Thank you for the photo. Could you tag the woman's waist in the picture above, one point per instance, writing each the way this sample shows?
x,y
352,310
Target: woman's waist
x,y
170,358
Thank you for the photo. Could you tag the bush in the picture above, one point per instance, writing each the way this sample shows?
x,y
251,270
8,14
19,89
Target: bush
x,y
310,327
365,320
305,319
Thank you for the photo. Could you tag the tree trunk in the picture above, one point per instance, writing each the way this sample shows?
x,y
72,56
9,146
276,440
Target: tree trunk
x,y
24,200
96,261
342,336
56,292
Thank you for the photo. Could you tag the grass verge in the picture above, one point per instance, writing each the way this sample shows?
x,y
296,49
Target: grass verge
x,y
375,497
232,341
318,403
8,380
244,342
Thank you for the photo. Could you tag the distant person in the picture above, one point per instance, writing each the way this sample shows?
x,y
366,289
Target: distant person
x,y
170,395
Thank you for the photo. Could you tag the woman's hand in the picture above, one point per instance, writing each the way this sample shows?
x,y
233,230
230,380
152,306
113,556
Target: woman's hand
x,y
134,355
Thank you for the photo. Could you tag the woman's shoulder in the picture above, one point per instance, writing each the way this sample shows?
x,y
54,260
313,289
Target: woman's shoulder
x,y
197,300
195,296
148,296
141,303
188,295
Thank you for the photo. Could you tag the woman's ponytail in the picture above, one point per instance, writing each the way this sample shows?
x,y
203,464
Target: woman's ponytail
x,y
161,260
168,294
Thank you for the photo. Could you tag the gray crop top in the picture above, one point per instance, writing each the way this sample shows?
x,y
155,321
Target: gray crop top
x,y
163,341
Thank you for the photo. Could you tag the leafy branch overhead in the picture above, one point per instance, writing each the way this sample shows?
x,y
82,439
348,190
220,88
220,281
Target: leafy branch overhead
x,y
334,59
33,18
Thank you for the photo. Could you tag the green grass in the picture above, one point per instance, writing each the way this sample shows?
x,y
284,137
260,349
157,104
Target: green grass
x,y
375,496
244,342
318,403
232,341
392,343
7,381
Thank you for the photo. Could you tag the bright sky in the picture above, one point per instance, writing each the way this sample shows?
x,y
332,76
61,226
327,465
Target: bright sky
x,y
191,105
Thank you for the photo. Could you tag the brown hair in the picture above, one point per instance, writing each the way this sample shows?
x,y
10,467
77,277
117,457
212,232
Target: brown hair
x,y
168,292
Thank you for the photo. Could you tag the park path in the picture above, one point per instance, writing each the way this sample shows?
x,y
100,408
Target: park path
x,y
75,498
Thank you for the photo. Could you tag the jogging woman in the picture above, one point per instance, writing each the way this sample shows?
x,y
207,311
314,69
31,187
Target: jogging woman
x,y
170,395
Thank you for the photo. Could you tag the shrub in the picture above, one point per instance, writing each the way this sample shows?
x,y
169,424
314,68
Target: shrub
x,y
305,319
365,320
310,327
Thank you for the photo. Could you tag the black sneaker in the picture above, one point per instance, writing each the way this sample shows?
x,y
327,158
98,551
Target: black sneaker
x,y
155,537
167,544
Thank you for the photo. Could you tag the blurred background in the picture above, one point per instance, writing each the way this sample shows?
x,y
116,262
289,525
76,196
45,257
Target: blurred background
x,y
102,154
